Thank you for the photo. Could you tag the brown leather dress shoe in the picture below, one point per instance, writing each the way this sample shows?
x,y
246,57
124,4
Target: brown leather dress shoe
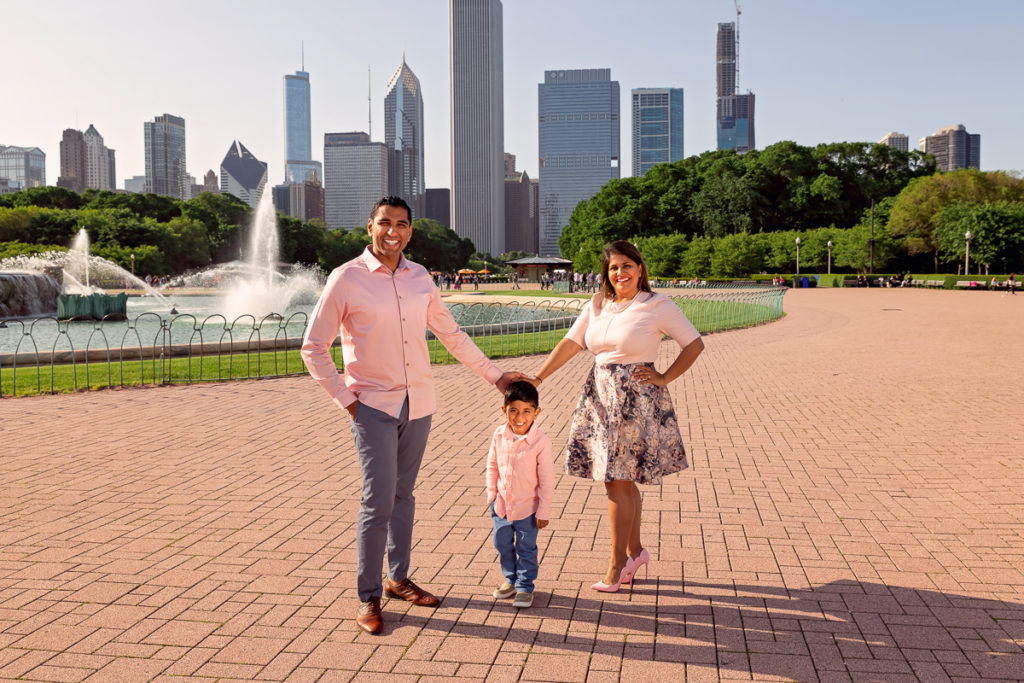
x,y
409,591
370,618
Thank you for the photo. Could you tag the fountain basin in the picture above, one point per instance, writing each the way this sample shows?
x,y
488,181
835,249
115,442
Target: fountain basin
x,y
92,306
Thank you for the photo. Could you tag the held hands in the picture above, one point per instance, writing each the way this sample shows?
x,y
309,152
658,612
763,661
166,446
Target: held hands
x,y
352,408
648,375
541,523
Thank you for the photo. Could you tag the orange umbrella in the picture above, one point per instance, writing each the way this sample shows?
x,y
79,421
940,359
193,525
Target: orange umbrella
x,y
484,272
466,271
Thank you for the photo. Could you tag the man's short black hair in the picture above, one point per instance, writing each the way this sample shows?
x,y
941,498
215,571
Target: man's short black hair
x,y
390,200
522,390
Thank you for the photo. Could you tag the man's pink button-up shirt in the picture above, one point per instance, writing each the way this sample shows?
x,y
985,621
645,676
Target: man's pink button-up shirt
x,y
382,317
520,474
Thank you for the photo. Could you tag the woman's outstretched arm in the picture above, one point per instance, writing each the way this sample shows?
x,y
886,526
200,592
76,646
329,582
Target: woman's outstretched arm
x,y
558,357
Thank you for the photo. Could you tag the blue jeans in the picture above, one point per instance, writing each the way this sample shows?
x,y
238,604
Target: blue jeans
x,y
517,550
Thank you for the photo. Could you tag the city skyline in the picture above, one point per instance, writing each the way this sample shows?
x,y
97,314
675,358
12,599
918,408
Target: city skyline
x,y
867,76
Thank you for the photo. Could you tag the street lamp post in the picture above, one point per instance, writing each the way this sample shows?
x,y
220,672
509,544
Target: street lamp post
x,y
871,240
132,257
967,252
798,257
829,257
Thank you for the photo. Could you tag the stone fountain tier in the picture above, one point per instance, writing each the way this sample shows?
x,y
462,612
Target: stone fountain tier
x,y
27,294
92,306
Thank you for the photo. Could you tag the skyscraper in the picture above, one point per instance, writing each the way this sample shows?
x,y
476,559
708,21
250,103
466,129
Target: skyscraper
x,y
85,162
356,177
735,115
657,127
403,136
953,147
210,183
298,143
896,141
97,160
165,156
22,167
72,161
437,204
520,209
578,144
243,175
477,122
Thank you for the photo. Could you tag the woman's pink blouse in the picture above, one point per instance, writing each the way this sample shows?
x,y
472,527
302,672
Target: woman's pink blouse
x,y
630,334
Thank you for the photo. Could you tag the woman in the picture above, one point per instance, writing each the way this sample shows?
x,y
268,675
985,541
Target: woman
x,y
624,429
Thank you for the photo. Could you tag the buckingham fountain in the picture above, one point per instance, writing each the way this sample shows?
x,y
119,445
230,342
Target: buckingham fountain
x,y
77,284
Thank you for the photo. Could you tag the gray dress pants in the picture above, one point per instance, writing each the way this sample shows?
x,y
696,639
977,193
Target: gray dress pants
x,y
390,451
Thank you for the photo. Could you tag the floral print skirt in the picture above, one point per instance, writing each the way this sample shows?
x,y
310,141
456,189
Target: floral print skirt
x,y
622,429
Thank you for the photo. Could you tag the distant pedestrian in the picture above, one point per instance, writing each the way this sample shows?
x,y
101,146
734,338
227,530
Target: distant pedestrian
x,y
1011,284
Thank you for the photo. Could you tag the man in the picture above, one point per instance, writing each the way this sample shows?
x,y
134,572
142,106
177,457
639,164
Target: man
x,y
382,302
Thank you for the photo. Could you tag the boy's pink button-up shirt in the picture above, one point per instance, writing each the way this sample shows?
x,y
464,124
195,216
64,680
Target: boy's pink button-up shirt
x,y
520,474
382,317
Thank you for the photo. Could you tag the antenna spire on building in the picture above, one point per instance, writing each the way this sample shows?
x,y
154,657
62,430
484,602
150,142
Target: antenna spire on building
x,y
737,3
302,47
369,103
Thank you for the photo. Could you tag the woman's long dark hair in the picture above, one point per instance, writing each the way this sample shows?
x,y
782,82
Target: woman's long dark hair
x,y
622,248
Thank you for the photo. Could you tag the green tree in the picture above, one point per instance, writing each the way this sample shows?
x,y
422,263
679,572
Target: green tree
x,y
663,254
12,249
222,214
158,207
997,233
436,247
737,256
340,246
853,250
47,197
696,261
914,212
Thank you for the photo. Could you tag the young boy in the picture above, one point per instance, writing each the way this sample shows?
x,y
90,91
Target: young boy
x,y
520,485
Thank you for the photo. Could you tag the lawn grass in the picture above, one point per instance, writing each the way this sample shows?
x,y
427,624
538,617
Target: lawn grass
x,y
706,315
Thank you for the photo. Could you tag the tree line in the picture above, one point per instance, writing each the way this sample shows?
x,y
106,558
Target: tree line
x,y
725,214
171,236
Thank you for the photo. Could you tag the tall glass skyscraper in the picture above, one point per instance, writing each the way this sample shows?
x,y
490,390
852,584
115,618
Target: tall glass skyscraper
x,y
298,145
579,144
403,136
657,127
477,122
735,115
165,157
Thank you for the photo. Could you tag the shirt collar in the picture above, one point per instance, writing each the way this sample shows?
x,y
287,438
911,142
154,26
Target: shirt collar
x,y
531,436
373,263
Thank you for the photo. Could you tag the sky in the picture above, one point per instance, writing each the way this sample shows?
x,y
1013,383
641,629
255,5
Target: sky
x,y
822,70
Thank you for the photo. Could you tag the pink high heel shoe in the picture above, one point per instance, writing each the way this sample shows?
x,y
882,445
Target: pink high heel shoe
x,y
627,571
640,560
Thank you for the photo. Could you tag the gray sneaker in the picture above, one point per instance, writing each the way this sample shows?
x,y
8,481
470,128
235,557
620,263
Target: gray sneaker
x,y
523,600
505,590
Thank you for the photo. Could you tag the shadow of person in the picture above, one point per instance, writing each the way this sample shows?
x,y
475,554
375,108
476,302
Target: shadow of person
x,y
835,631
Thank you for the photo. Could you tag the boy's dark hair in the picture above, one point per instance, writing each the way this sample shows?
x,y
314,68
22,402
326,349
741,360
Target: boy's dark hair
x,y
390,200
522,390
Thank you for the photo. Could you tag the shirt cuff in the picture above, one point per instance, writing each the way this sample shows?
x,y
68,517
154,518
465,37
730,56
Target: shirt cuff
x,y
345,398
493,374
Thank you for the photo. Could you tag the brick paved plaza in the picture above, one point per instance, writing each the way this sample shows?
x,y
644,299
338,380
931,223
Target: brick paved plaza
x,y
855,511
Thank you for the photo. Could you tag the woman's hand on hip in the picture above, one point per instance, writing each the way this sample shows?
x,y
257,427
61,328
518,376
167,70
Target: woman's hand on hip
x,y
646,374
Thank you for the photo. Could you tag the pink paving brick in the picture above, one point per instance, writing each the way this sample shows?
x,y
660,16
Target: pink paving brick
x,y
852,512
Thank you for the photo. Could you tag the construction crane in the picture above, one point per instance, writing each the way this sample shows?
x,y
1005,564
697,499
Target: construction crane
x,y
737,47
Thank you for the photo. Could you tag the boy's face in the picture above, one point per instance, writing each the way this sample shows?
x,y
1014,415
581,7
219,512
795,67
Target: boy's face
x,y
520,415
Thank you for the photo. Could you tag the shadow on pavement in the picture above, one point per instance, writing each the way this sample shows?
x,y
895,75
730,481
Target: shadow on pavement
x,y
843,627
